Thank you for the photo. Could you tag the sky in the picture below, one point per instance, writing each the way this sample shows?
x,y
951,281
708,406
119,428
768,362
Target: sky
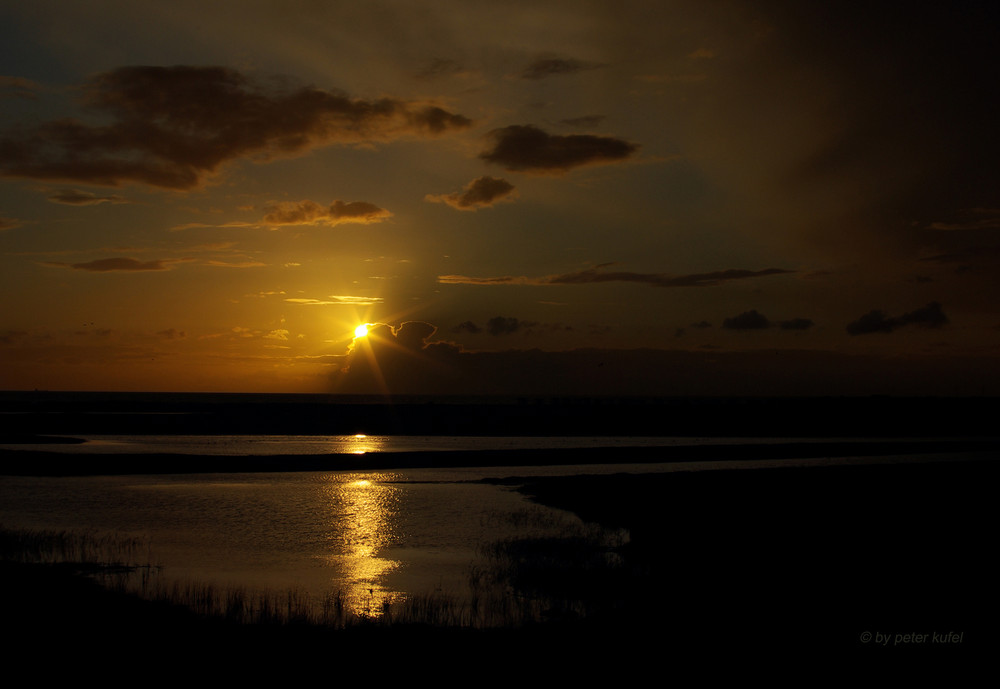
x,y
537,197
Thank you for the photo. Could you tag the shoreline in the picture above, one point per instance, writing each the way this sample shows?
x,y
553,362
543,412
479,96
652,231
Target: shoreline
x,y
28,462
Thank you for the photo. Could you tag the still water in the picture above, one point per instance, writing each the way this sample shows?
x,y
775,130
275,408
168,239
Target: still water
x,y
371,536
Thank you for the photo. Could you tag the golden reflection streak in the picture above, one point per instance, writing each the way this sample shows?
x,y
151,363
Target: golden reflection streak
x,y
362,513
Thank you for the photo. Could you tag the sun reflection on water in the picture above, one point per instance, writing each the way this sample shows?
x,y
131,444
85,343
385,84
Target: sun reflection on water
x,y
363,514
360,444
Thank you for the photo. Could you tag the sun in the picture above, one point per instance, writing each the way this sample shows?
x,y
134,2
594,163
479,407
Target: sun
x,y
361,330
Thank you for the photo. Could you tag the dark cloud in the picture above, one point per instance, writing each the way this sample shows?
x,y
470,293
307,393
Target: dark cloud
x,y
481,192
414,334
381,365
467,327
701,325
501,325
525,148
599,274
661,280
930,316
173,127
748,320
75,197
104,265
547,66
9,223
311,213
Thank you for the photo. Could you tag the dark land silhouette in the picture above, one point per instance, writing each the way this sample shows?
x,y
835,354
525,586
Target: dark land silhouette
x,y
878,563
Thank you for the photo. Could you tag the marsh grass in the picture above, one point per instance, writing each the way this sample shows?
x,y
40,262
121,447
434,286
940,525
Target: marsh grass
x,y
558,569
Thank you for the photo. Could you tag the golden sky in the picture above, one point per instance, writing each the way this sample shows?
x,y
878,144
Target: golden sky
x,y
586,197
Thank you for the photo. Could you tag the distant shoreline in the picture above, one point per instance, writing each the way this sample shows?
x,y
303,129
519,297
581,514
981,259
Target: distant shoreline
x,y
26,462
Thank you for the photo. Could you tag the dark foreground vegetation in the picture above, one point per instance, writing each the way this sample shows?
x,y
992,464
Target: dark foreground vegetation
x,y
841,565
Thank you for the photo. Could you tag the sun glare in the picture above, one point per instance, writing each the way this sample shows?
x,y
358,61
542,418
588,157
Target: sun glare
x,y
361,330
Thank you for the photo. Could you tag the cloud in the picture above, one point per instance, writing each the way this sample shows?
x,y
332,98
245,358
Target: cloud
x,y
75,197
312,213
467,327
196,225
982,219
173,127
9,223
387,363
104,265
481,192
525,148
598,274
336,300
748,320
499,325
930,316
753,320
548,66
234,264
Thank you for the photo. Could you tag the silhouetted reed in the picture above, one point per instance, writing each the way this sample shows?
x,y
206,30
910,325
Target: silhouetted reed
x,y
519,581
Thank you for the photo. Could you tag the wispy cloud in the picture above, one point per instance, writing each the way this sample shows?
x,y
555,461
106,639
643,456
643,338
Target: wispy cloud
x,y
197,225
598,274
972,219
311,213
336,300
104,265
75,197
549,66
174,127
9,223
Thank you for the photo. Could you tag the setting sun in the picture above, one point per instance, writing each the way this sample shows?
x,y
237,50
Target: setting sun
x,y
361,330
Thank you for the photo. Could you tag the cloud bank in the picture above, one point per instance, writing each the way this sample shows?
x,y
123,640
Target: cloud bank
x,y
173,127
598,274
930,316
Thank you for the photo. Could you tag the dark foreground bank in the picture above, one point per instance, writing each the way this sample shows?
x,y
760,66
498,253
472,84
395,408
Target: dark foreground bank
x,y
730,570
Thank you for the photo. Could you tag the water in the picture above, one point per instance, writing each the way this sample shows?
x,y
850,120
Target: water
x,y
370,535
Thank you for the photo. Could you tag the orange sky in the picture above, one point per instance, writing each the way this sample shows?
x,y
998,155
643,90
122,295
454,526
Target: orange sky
x,y
706,197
